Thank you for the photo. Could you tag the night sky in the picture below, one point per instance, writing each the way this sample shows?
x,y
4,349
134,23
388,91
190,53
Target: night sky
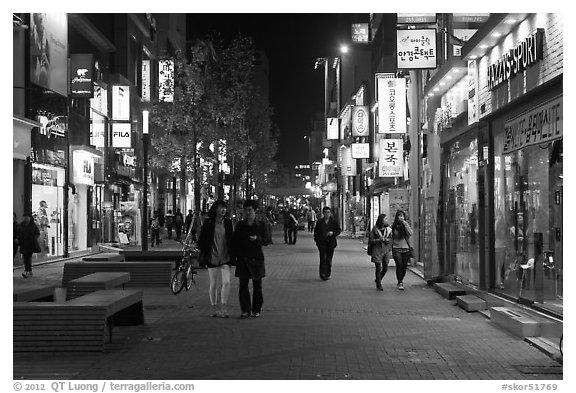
x,y
292,43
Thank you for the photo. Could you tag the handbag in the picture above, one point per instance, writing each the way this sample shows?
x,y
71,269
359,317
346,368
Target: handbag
x,y
36,245
411,250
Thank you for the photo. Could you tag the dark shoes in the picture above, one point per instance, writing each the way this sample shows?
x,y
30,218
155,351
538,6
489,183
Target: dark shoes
x,y
245,315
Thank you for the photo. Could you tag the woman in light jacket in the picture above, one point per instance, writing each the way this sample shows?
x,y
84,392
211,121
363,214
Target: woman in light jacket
x,y
401,233
379,240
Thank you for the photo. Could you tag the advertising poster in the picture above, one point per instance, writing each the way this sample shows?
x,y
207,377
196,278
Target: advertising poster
x,y
472,92
416,49
360,32
391,161
399,199
166,81
391,105
49,51
82,75
360,121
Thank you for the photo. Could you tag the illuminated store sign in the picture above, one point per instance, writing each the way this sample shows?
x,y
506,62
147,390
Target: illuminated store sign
x,y
416,18
391,105
52,126
146,80
166,81
360,121
120,102
121,135
416,49
82,75
332,128
83,168
360,150
360,32
525,54
391,160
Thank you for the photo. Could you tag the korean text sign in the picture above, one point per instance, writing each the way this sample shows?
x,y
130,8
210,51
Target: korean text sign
x,y
391,105
390,158
416,49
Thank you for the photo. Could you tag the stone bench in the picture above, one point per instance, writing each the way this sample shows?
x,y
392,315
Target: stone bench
x,y
142,274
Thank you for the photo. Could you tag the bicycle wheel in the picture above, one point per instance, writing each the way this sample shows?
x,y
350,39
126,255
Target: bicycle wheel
x,y
177,282
190,277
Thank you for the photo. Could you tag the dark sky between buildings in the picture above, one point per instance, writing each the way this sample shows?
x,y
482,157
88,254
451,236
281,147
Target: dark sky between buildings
x,y
292,42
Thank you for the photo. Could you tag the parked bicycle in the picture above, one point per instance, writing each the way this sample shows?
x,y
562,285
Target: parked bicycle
x,y
183,276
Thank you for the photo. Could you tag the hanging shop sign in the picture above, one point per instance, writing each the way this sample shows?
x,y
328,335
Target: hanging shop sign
x,y
416,49
120,103
360,32
470,18
525,54
332,128
348,164
472,92
97,129
360,121
360,150
49,51
82,75
121,135
391,105
345,119
100,100
390,158
539,125
411,19
146,80
166,81
82,168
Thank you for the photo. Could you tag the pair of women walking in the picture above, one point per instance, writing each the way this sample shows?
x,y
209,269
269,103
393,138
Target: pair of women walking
x,y
222,247
384,239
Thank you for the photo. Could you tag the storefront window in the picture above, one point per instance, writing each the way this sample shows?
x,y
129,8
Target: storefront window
x,y
528,222
462,211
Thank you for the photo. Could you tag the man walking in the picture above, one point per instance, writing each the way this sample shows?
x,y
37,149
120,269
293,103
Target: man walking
x,y
311,217
178,223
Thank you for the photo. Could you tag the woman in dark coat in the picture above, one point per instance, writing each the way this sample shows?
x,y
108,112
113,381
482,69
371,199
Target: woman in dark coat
x,y
379,241
401,233
325,233
15,234
249,237
28,242
216,250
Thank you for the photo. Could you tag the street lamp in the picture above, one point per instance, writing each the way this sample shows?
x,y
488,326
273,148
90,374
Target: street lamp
x,y
145,141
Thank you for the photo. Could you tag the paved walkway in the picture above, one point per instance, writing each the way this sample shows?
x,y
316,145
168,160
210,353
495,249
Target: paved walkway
x,y
309,330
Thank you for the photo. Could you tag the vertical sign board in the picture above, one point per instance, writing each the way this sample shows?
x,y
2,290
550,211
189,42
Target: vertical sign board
x,y
391,105
81,75
332,128
360,121
121,103
146,80
49,51
97,129
416,49
121,135
82,168
166,81
391,160
348,164
345,121
360,32
100,100
472,92
360,150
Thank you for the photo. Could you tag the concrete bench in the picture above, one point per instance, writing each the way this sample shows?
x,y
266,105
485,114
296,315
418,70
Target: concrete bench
x,y
94,282
30,293
448,290
471,303
105,256
75,325
142,274
164,255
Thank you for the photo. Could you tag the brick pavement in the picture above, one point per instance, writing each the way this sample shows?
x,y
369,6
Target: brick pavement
x,y
309,330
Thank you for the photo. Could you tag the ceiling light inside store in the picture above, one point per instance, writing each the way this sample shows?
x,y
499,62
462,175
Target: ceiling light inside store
x,y
495,34
510,21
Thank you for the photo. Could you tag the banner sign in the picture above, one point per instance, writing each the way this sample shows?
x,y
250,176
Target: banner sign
x,y
360,32
345,121
121,135
472,92
332,128
360,150
360,121
49,51
539,125
100,101
97,129
120,103
416,49
391,105
390,159
166,81
146,80
82,75
416,18
348,164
